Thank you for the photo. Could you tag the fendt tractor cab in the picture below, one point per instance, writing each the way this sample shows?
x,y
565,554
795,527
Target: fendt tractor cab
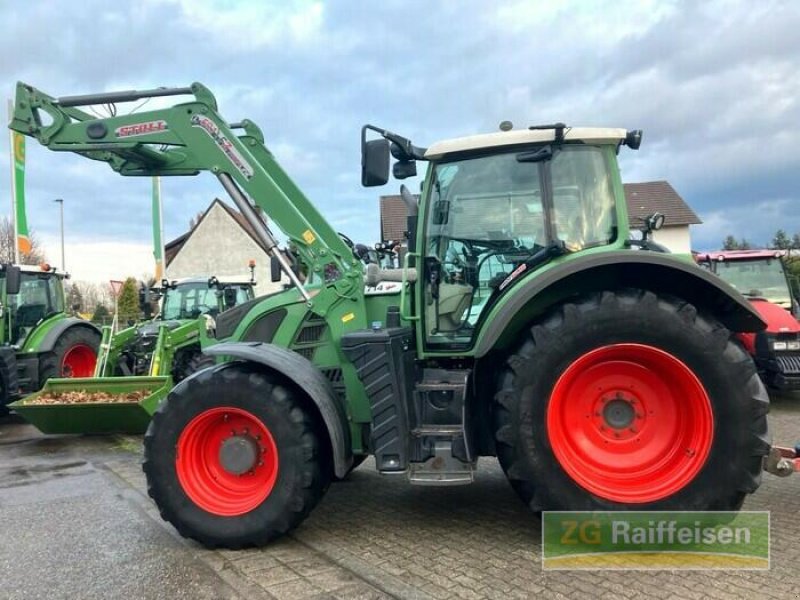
x,y
39,340
761,276
524,327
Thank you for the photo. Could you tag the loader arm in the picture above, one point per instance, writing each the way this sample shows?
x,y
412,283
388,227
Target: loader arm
x,y
185,139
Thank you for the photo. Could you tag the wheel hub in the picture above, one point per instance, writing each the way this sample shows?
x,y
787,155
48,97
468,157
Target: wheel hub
x,y
618,413
238,454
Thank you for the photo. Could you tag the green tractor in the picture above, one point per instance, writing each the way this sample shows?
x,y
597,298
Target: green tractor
x,y
39,340
187,309
524,327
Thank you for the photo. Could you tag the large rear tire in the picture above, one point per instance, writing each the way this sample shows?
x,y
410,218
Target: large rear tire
x,y
233,458
628,400
74,355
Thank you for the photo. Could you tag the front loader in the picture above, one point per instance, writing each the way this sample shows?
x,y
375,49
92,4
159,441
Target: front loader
x,y
524,327
146,359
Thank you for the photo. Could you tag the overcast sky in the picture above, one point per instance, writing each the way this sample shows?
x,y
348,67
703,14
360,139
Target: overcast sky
x,y
714,86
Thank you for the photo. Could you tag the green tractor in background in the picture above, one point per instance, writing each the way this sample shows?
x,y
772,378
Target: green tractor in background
x,y
523,327
172,341
39,340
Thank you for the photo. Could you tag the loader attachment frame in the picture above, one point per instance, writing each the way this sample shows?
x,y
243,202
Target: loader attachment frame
x,y
183,140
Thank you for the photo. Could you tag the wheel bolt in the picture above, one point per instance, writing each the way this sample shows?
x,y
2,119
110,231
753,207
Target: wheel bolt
x,y
616,435
632,430
225,417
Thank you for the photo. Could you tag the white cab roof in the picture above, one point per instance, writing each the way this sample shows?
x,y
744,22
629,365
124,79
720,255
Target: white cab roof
x,y
595,135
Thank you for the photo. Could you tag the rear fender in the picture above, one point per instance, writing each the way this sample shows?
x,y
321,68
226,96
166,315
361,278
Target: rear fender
x,y
659,273
57,328
309,380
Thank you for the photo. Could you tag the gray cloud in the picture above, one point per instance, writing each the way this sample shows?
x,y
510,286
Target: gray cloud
x,y
712,84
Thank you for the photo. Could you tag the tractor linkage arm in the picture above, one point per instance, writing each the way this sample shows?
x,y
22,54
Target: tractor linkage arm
x,y
188,138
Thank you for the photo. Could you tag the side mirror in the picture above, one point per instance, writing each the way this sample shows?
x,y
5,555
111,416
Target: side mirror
x,y
13,279
145,302
275,270
229,297
374,161
654,222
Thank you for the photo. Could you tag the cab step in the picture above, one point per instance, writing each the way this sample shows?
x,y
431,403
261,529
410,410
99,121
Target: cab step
x,y
442,468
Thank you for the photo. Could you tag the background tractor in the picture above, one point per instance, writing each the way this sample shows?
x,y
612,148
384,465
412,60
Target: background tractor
x,y
760,275
39,340
141,362
524,327
187,309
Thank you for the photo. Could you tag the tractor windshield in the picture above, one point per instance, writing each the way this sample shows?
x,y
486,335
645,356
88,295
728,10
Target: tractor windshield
x,y
40,295
489,214
763,278
190,300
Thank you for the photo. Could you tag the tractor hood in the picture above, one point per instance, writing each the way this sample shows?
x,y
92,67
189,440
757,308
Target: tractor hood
x,y
152,327
778,319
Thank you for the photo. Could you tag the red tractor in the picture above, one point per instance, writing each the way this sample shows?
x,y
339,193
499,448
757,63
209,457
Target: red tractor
x,y
760,275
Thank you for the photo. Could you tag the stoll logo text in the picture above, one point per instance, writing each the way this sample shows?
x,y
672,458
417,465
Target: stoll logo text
x,y
655,540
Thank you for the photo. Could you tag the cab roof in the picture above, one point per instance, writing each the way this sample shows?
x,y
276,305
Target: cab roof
x,y
516,137
229,280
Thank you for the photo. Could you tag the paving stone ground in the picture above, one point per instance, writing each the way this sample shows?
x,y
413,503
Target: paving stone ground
x,y
378,537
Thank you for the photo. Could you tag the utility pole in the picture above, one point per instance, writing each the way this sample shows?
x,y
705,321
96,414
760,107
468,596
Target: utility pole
x,y
63,263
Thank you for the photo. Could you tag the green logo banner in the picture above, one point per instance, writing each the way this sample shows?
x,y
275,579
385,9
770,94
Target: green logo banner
x,y
158,243
655,540
23,239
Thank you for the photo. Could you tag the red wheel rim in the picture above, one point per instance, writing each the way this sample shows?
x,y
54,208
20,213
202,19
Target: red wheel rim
x,y
630,423
79,361
205,473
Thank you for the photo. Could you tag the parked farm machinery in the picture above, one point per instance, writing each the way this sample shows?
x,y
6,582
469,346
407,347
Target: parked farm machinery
x,y
760,275
38,340
139,364
523,327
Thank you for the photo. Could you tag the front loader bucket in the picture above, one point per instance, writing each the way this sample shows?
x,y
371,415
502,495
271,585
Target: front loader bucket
x,y
58,406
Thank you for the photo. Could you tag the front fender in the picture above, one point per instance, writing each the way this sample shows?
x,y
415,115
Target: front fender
x,y
656,272
51,330
309,380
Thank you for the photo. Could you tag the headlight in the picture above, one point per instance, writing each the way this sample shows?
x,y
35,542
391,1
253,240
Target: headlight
x,y
777,346
795,345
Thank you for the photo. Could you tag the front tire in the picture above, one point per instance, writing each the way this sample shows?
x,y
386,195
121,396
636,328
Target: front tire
x,y
628,400
74,355
233,458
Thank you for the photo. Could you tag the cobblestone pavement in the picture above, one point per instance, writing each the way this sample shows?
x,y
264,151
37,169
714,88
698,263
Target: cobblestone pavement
x,y
378,537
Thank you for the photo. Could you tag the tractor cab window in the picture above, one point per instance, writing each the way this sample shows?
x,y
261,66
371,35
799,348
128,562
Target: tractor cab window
x,y
189,301
39,297
488,215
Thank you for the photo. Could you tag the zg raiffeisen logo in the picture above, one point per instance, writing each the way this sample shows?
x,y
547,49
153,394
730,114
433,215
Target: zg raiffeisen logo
x,y
655,540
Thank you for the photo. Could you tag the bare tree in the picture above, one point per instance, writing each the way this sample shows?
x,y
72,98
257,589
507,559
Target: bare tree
x,y
7,243
94,295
